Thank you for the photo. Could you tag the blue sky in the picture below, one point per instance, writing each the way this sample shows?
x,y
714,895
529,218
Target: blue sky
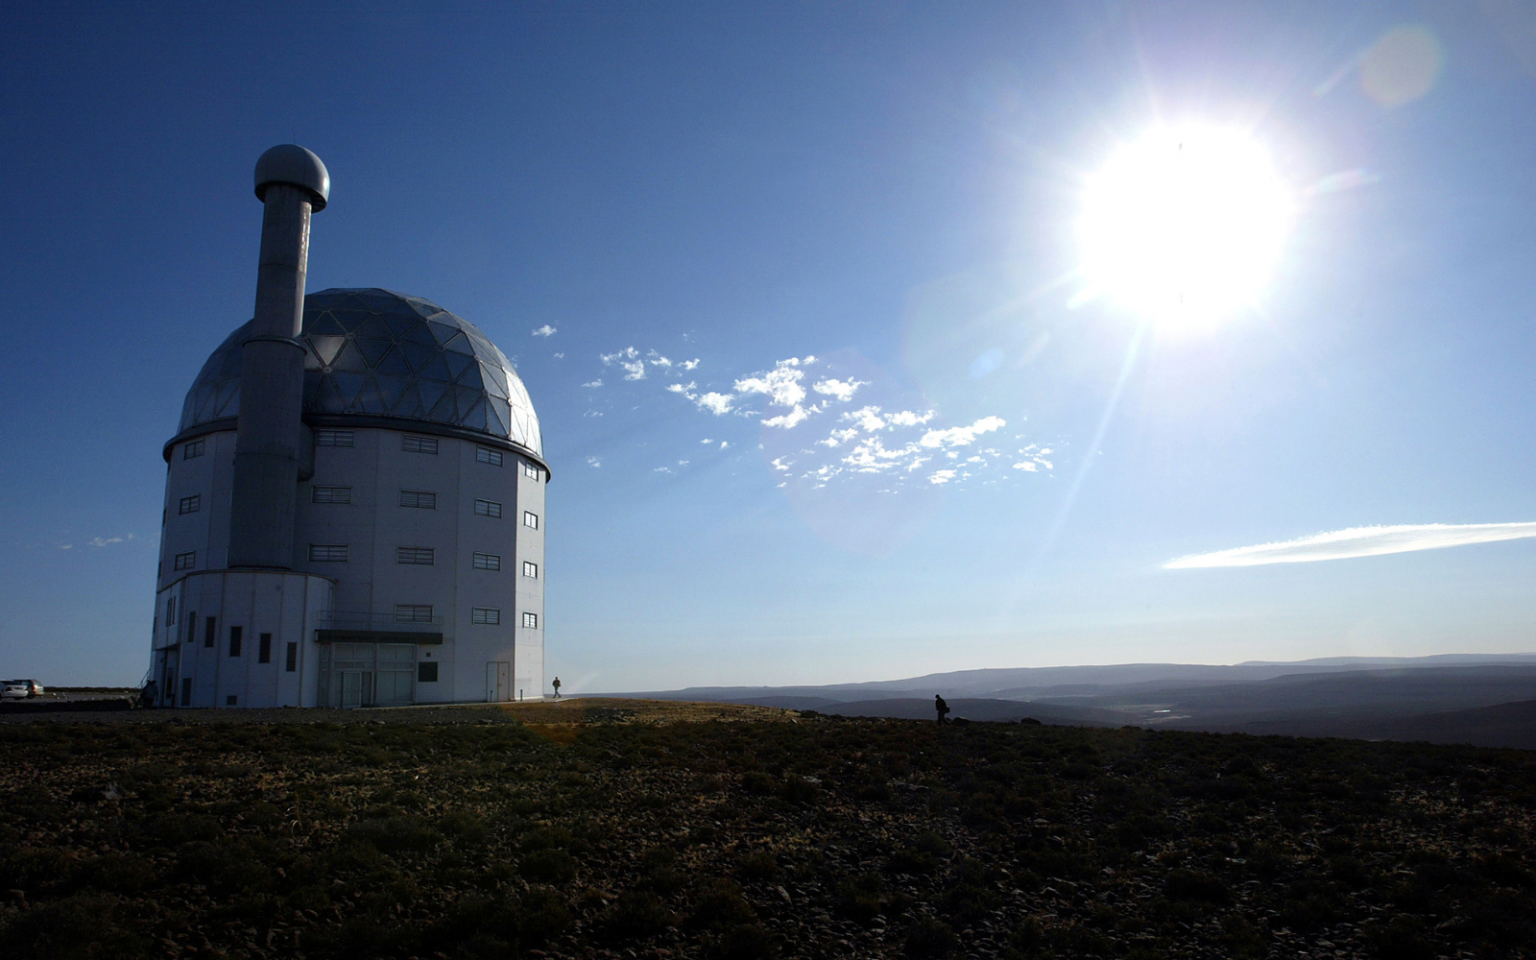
x,y
830,208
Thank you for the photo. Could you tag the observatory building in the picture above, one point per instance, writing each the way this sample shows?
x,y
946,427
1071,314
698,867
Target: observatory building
x,y
354,501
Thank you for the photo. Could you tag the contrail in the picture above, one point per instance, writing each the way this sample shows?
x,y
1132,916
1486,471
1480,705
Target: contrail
x,y
1358,542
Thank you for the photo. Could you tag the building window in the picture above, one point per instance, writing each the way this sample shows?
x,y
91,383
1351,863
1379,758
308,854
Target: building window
x,y
264,648
186,561
191,636
530,569
193,449
531,621
210,631
487,561
413,613
420,499
234,641
190,504
170,613
419,445
328,552
488,508
293,658
529,470
425,556
485,455
233,700
426,671
186,691
334,438
530,520
487,615
331,495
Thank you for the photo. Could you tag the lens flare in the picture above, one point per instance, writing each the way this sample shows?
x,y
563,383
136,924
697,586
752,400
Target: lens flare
x,y
1185,226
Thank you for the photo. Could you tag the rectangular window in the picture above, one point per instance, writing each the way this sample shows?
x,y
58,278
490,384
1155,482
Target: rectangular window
x,y
530,520
486,455
191,450
293,657
487,561
328,552
426,671
419,444
413,613
191,636
186,561
234,641
210,631
488,508
331,495
529,470
420,499
425,556
490,615
333,438
264,648
186,691
190,504
170,612
530,569
531,621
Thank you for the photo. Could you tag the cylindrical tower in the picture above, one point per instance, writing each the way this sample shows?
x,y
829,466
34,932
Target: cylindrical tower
x,y
292,182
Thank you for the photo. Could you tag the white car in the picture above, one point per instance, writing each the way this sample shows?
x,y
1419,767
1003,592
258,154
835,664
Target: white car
x,y
32,687
14,691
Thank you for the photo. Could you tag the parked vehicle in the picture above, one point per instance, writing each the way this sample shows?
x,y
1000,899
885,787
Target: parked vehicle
x,y
14,691
33,688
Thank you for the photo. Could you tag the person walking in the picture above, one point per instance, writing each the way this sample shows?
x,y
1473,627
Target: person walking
x,y
556,685
941,708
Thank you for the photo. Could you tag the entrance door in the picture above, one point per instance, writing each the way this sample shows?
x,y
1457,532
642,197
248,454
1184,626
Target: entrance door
x,y
498,681
355,686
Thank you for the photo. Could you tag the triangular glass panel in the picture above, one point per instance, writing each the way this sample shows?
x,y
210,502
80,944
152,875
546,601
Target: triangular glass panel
x,y
418,332
431,393
325,348
349,359
470,377
497,416
435,369
457,364
372,350
494,378
400,322
369,400
444,411
391,389
418,355
328,398
393,364
459,344
409,403
474,419
347,384
374,327
443,332
323,325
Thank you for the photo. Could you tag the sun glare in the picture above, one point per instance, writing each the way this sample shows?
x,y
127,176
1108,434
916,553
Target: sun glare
x,y
1184,227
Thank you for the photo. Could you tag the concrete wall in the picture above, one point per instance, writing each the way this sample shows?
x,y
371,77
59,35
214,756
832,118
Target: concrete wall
x,y
371,582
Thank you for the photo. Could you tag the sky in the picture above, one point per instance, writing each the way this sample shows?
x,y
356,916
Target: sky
x,y
828,389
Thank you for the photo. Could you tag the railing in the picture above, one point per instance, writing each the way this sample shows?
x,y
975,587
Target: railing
x,y
363,620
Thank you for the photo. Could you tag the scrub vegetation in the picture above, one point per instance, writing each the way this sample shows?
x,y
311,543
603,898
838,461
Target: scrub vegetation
x,y
619,829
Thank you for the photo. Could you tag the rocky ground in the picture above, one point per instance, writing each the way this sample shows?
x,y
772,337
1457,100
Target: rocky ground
x,y
639,829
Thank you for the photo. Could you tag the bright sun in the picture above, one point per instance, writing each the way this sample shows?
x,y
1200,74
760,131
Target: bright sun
x,y
1184,227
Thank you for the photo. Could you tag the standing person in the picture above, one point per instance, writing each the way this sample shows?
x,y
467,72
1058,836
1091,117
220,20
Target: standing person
x,y
941,708
556,685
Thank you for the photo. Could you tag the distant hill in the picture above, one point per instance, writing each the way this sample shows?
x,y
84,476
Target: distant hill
x,y
1478,699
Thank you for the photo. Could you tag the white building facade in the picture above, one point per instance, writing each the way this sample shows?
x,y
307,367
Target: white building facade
x,y
417,573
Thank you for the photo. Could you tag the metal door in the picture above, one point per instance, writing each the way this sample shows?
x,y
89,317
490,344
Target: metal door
x,y
498,681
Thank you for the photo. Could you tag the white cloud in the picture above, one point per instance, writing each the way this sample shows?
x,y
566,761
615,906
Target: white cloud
x,y
657,360
941,476
103,541
594,383
629,359
779,464
866,417
687,365
1026,465
724,444
781,384
790,419
662,470
716,403
841,389
706,440
907,418
594,461
66,546
838,437
962,436
681,388
544,331
1358,542
559,356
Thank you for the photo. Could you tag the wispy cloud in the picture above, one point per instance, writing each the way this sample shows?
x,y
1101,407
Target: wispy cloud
x,y
629,359
839,389
1358,542
594,383
594,461
544,331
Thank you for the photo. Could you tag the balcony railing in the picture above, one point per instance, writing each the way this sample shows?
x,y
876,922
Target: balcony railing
x,y
392,622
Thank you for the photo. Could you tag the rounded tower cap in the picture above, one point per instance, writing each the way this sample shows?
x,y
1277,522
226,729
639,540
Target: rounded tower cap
x,y
291,163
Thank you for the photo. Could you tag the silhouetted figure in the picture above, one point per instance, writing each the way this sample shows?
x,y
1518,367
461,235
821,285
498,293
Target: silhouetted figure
x,y
556,685
941,708
149,695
